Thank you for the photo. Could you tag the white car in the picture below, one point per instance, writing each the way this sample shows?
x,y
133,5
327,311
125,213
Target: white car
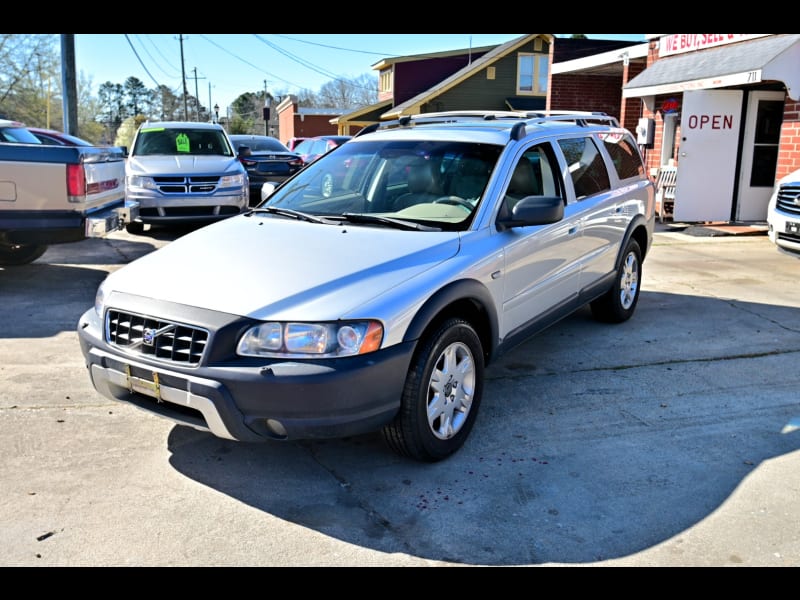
x,y
783,213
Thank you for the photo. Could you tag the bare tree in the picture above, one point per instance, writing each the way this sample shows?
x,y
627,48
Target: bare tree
x,y
30,85
349,94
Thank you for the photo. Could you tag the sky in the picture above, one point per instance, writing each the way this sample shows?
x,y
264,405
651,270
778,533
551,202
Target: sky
x,y
220,67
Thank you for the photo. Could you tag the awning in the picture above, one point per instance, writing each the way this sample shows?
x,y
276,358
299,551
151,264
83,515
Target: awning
x,y
773,58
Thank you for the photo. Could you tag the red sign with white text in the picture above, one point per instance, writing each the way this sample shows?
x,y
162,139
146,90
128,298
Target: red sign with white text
x,y
676,43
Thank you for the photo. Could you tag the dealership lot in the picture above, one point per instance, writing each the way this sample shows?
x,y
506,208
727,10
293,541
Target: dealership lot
x,y
678,448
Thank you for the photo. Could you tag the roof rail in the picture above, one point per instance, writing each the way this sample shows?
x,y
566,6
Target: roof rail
x,y
580,118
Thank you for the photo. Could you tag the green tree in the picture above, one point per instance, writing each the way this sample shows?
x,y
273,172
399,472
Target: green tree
x,y
138,98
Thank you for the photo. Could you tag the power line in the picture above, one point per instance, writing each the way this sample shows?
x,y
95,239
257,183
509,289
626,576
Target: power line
x,y
237,57
306,64
140,60
384,54
166,60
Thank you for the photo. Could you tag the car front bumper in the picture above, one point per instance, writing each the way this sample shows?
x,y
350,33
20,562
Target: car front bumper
x,y
253,400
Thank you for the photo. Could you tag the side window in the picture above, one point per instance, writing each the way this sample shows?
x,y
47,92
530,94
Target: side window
x,y
534,175
586,166
624,154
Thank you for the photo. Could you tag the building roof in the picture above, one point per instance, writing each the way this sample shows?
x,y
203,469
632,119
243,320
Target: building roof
x,y
412,105
772,58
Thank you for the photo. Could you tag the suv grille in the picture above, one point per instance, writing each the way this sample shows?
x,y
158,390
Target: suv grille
x,y
187,185
789,199
155,337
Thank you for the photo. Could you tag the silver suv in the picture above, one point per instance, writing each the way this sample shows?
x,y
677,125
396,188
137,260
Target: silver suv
x,y
451,238
184,172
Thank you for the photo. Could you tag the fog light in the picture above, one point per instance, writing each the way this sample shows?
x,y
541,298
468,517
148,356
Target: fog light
x,y
276,428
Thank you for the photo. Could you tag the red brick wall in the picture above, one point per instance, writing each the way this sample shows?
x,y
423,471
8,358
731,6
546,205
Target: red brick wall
x,y
789,150
586,92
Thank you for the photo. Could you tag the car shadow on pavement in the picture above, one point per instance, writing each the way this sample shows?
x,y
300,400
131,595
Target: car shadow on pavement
x,y
593,443
62,289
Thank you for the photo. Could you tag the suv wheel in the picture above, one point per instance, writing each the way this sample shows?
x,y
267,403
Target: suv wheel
x,y
618,303
441,396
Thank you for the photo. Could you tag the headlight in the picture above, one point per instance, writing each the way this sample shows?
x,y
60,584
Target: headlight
x,y
311,340
233,180
99,299
141,181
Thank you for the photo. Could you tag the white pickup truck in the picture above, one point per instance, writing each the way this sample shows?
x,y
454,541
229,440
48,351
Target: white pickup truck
x,y
58,194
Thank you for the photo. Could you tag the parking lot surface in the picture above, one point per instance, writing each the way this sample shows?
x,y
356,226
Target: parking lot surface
x,y
668,440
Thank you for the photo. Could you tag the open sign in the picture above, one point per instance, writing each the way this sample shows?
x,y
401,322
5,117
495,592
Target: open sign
x,y
670,105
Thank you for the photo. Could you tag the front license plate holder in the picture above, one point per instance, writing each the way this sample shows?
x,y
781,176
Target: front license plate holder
x,y
148,387
792,227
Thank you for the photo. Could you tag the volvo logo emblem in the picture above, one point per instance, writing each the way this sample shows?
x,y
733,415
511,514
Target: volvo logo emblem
x,y
149,336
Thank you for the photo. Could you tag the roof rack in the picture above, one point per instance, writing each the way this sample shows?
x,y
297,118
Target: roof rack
x,y
580,118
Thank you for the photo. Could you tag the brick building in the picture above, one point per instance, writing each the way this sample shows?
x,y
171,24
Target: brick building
x,y
724,108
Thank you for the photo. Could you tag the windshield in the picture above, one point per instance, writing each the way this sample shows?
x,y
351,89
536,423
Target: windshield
x,y
434,183
183,141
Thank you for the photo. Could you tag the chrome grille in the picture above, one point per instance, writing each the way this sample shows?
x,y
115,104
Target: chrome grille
x,y
187,185
158,338
789,199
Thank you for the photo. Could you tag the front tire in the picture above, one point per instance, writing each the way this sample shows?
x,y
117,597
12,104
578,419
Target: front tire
x,y
14,255
441,395
619,303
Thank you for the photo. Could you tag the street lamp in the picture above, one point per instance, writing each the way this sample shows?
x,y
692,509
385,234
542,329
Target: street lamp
x,y
216,113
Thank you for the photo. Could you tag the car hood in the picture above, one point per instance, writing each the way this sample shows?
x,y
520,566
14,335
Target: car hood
x,y
256,266
169,165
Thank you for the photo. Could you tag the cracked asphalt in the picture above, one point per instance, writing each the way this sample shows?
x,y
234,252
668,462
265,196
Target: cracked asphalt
x,y
669,440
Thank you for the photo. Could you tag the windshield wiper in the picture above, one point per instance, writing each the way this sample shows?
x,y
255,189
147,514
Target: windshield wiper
x,y
288,212
397,223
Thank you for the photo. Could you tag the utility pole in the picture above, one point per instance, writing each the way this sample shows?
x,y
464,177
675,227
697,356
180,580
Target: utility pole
x,y
196,95
266,109
183,77
68,84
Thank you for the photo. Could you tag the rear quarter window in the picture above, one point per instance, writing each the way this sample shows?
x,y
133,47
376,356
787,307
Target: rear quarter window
x,y
586,166
624,154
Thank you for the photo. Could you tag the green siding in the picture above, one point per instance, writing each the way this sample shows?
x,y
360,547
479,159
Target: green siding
x,y
480,93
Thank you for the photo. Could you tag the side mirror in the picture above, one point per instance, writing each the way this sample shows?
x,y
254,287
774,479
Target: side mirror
x,y
533,210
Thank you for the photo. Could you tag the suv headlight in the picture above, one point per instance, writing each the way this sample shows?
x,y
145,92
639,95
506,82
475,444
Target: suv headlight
x,y
311,340
100,299
233,180
141,181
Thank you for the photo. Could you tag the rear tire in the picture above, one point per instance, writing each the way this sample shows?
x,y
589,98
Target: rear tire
x,y
441,395
619,303
14,255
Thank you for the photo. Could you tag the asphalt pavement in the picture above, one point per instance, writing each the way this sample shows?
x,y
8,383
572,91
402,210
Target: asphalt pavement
x,y
669,440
